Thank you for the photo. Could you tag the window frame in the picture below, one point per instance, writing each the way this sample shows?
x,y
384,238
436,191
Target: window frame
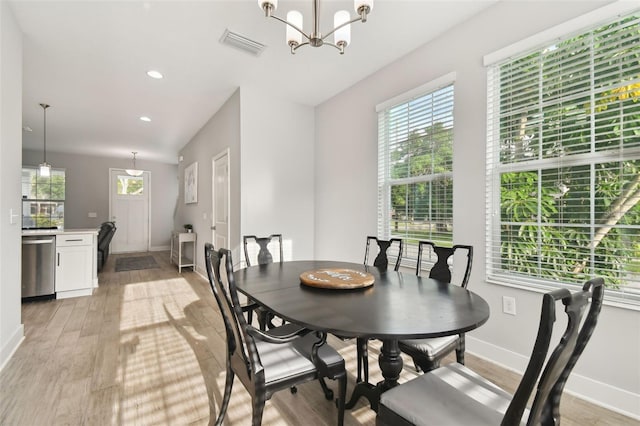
x,y
495,167
37,201
386,182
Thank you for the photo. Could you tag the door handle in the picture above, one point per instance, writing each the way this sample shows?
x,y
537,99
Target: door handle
x,y
213,228
58,259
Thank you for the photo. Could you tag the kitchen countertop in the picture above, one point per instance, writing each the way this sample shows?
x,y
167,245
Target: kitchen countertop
x,y
27,232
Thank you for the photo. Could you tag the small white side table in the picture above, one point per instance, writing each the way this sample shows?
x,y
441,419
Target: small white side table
x,y
177,257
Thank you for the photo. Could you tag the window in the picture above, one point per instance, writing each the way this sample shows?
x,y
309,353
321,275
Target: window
x,y
564,162
130,185
415,157
42,198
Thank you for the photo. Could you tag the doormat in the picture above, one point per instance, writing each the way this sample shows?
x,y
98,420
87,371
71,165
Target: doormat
x,y
135,263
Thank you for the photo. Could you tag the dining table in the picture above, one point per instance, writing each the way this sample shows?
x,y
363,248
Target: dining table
x,y
395,306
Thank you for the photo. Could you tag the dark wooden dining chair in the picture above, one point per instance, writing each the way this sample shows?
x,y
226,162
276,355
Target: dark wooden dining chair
x,y
386,248
257,252
392,247
454,394
427,353
268,361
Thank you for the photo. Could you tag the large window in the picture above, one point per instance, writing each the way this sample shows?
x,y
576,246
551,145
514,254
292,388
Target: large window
x,y
415,185
42,198
564,162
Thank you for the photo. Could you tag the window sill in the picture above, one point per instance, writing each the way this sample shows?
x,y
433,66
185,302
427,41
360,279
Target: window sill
x,y
617,299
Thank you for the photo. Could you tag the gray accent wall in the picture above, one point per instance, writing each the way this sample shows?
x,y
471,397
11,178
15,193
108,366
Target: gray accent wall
x,y
222,131
87,190
350,146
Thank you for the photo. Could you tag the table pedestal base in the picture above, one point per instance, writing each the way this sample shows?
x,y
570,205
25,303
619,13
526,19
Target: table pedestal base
x,y
390,363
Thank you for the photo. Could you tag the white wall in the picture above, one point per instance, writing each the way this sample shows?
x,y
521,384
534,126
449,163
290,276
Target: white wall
x,y
222,131
87,190
11,329
350,146
277,171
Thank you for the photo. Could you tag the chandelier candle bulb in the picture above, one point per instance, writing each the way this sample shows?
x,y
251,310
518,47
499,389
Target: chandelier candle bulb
x,y
342,36
294,37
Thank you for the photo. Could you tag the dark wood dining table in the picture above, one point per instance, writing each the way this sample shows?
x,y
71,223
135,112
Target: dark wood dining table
x,y
397,306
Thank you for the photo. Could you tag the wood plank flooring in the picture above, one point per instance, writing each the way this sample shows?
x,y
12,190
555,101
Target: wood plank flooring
x,y
148,349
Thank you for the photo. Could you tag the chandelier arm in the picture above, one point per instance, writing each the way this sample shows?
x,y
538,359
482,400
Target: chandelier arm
x,y
294,48
284,21
340,26
334,45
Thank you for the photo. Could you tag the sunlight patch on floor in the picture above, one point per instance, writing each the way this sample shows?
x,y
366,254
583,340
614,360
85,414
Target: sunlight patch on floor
x,y
159,376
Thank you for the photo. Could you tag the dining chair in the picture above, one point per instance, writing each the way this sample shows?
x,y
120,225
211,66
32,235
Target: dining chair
x,y
268,361
427,353
392,247
456,395
257,252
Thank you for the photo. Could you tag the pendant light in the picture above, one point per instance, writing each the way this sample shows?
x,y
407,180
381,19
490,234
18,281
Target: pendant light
x,y
134,171
45,168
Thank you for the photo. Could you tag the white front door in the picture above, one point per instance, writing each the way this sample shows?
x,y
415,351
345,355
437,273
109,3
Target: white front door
x,y
220,197
129,209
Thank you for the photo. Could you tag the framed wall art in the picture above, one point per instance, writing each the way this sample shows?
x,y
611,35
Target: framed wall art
x,y
191,183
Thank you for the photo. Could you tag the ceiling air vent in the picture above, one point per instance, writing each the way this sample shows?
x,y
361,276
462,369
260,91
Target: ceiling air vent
x,y
241,42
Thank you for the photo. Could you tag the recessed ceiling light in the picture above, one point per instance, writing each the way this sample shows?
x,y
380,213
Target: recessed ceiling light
x,y
145,118
154,74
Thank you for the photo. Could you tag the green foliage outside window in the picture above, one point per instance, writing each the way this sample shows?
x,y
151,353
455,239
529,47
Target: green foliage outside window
x,y
570,159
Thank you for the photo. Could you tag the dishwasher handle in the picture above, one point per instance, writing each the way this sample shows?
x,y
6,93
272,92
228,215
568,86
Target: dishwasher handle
x,y
30,242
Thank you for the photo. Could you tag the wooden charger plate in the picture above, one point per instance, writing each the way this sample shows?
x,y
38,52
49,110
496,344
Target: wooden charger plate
x,y
337,278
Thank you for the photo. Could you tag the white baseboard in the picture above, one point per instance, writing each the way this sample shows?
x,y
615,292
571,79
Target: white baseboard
x,y
12,346
598,393
160,248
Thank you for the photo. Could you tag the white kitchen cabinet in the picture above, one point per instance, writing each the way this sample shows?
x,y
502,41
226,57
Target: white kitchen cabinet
x,y
75,265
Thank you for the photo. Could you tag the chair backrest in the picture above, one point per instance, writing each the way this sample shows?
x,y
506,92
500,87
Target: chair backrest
x,y
261,244
546,404
441,270
386,248
241,347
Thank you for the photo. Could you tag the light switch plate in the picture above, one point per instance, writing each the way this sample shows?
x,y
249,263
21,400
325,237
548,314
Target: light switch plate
x,y
93,214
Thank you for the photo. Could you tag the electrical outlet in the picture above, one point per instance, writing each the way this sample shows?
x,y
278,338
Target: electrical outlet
x,y
509,305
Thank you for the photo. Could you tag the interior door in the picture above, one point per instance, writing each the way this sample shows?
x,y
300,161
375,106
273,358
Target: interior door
x,y
129,209
220,197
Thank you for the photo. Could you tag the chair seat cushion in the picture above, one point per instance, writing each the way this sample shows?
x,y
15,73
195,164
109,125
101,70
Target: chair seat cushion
x,y
430,348
281,361
449,395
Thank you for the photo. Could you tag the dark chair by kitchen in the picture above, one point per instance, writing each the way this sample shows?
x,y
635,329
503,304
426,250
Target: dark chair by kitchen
x,y
257,252
427,353
267,362
105,235
386,248
455,394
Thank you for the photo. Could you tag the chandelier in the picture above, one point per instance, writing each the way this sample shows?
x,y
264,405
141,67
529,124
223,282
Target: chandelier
x,y
134,171
341,24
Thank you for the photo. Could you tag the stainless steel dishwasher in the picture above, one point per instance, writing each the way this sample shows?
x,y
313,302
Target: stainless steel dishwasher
x,y
38,265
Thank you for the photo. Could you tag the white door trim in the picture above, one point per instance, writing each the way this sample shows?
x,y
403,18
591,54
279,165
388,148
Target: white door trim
x,y
147,175
226,152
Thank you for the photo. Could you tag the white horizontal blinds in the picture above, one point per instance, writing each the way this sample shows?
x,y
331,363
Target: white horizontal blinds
x,y
564,160
415,161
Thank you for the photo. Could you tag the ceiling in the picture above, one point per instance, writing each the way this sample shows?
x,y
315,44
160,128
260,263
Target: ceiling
x,y
88,60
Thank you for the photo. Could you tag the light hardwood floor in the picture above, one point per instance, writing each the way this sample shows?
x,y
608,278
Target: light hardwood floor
x,y
148,349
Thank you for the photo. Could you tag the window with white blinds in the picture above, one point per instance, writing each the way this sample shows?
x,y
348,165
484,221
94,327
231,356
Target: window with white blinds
x,y
563,162
415,157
